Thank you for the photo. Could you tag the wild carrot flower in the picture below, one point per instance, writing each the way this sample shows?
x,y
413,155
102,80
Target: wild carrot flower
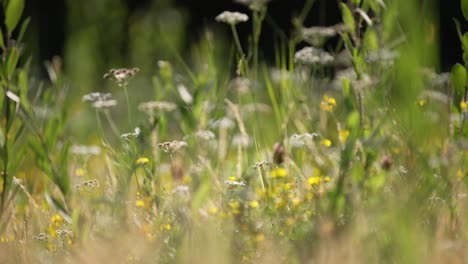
x,y
240,85
299,140
224,123
232,184
121,76
172,146
100,100
316,36
136,132
232,18
241,140
205,135
328,103
313,56
152,107
85,150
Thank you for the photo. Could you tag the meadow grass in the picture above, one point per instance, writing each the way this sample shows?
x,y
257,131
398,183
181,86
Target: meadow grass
x,y
355,153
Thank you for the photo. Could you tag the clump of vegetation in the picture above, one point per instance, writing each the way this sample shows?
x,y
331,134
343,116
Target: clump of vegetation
x,y
352,153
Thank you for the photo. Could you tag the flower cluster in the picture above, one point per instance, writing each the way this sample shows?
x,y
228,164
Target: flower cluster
x,y
313,56
171,146
100,100
121,76
328,103
232,18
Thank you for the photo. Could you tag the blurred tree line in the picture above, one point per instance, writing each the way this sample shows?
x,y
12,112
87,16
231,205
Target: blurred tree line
x,y
94,36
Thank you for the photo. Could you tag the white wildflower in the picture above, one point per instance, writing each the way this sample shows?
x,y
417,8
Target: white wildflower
x,y
104,104
184,94
263,164
232,18
235,183
299,140
313,56
100,100
241,140
85,150
316,36
205,135
172,146
153,106
223,123
135,133
121,76
240,84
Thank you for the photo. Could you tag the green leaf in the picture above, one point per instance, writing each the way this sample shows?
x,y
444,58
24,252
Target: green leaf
x,y
458,27
59,206
2,43
12,61
347,17
23,87
371,40
464,7
464,41
458,78
23,29
13,14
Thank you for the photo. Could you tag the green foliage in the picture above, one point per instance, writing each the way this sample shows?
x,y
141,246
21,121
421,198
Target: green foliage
x,y
464,8
13,13
214,154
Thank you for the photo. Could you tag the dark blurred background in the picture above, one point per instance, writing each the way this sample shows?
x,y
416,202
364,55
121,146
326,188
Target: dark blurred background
x,y
76,29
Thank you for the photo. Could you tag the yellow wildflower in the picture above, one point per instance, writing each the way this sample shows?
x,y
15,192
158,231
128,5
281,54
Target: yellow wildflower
x,y
325,179
328,103
296,201
234,205
315,180
260,237
168,227
326,142
421,102
80,172
232,178
343,135
142,161
140,203
56,220
213,210
463,106
253,204
278,173
459,174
